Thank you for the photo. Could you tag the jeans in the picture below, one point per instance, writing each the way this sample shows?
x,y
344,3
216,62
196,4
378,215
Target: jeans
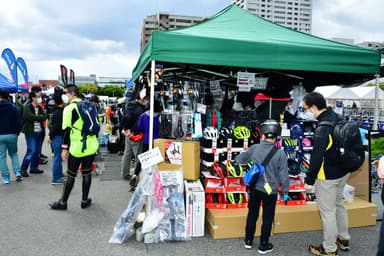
x,y
33,152
57,166
380,249
8,142
269,206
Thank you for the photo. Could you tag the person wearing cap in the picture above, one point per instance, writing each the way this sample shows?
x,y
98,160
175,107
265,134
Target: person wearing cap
x,y
266,189
10,127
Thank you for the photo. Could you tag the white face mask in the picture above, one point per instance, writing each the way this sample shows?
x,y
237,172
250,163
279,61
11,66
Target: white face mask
x,y
308,115
65,98
39,100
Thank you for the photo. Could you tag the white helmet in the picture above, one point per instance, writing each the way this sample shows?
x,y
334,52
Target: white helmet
x,y
210,133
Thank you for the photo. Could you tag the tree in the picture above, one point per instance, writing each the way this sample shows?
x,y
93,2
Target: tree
x,y
113,91
88,88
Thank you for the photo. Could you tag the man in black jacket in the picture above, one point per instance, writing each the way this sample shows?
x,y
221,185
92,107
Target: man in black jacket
x,y
330,180
55,139
132,148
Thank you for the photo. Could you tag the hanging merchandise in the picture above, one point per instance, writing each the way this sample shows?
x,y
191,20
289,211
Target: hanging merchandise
x,y
165,130
235,169
179,132
197,126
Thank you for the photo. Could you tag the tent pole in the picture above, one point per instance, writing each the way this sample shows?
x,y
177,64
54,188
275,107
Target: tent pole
x,y
270,107
376,111
151,103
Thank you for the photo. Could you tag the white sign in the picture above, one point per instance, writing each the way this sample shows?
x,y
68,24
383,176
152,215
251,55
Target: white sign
x,y
214,86
245,79
150,158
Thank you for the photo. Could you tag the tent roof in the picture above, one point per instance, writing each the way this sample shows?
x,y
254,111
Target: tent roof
x,y
344,93
238,39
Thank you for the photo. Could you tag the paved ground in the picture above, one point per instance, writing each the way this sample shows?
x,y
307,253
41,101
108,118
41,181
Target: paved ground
x,y
28,227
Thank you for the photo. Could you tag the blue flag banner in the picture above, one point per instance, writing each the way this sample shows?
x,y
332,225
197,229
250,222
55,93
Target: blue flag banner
x,y
10,59
23,68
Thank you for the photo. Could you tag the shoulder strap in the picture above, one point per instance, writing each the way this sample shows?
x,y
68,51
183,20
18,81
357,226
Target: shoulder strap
x,y
269,156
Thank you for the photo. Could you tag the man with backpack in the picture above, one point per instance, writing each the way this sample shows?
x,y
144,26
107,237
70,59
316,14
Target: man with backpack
x,y
330,177
79,146
266,189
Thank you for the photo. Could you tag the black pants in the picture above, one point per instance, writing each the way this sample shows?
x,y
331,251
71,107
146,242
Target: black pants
x,y
73,167
269,206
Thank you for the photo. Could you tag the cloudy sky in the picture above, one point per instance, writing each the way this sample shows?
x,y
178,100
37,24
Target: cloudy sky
x,y
102,37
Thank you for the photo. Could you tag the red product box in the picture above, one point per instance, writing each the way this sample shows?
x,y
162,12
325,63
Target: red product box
x,y
233,184
243,204
213,184
215,200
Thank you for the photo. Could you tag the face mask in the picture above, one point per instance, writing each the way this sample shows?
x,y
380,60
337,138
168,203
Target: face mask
x,y
65,98
308,115
39,100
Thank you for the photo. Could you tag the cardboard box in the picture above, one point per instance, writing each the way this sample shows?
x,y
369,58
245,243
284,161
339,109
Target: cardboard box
x,y
229,223
307,217
360,180
195,208
190,158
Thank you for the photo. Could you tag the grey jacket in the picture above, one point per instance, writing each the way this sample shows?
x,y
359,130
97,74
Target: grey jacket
x,y
277,169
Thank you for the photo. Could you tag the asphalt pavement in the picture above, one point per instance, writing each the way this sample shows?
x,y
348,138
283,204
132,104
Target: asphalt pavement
x,y
28,227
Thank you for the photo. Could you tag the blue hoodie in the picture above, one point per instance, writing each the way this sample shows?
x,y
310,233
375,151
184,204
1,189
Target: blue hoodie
x,y
10,118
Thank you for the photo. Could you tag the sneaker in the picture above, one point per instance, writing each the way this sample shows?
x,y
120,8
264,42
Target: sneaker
x,y
58,205
18,176
319,250
85,203
133,181
264,249
342,244
57,182
6,180
43,161
43,156
24,174
36,171
248,244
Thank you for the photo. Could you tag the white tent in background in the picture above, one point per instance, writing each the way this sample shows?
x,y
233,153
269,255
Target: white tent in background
x,y
327,90
344,94
370,94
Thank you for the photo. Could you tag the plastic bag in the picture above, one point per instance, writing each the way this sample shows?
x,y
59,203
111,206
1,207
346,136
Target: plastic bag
x,y
124,227
155,211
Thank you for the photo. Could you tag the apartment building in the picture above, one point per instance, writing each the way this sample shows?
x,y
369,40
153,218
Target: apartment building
x,y
294,14
165,21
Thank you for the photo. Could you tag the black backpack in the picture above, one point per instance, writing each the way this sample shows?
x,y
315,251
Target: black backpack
x,y
347,140
91,126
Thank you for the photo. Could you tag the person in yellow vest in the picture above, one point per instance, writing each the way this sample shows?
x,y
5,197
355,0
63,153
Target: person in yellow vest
x,y
72,150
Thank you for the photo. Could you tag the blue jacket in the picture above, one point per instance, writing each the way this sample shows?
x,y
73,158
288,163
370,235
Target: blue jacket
x,y
10,118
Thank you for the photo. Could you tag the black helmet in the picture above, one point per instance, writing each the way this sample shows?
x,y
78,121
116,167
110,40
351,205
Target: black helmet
x,y
293,167
270,128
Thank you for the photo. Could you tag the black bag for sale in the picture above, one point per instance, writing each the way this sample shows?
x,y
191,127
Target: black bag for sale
x,y
113,145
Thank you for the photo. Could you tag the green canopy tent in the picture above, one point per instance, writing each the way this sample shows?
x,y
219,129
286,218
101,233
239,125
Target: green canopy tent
x,y
236,40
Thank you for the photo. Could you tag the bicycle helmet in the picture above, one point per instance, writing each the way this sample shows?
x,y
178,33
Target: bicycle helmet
x,y
270,128
307,142
210,133
219,170
225,133
236,170
293,167
241,132
235,198
296,131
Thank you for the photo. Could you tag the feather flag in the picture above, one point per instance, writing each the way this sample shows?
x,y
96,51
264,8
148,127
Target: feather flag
x,y
23,69
10,59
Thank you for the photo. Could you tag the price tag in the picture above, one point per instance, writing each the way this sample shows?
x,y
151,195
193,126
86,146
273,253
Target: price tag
x,y
150,158
267,188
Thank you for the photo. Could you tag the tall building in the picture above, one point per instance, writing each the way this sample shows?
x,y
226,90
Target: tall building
x,y
165,21
294,14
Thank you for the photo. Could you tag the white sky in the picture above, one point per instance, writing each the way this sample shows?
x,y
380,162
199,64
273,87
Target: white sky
x,y
103,37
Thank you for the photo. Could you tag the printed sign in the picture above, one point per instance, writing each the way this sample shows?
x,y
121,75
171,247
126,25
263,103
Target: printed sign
x,y
150,158
173,152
